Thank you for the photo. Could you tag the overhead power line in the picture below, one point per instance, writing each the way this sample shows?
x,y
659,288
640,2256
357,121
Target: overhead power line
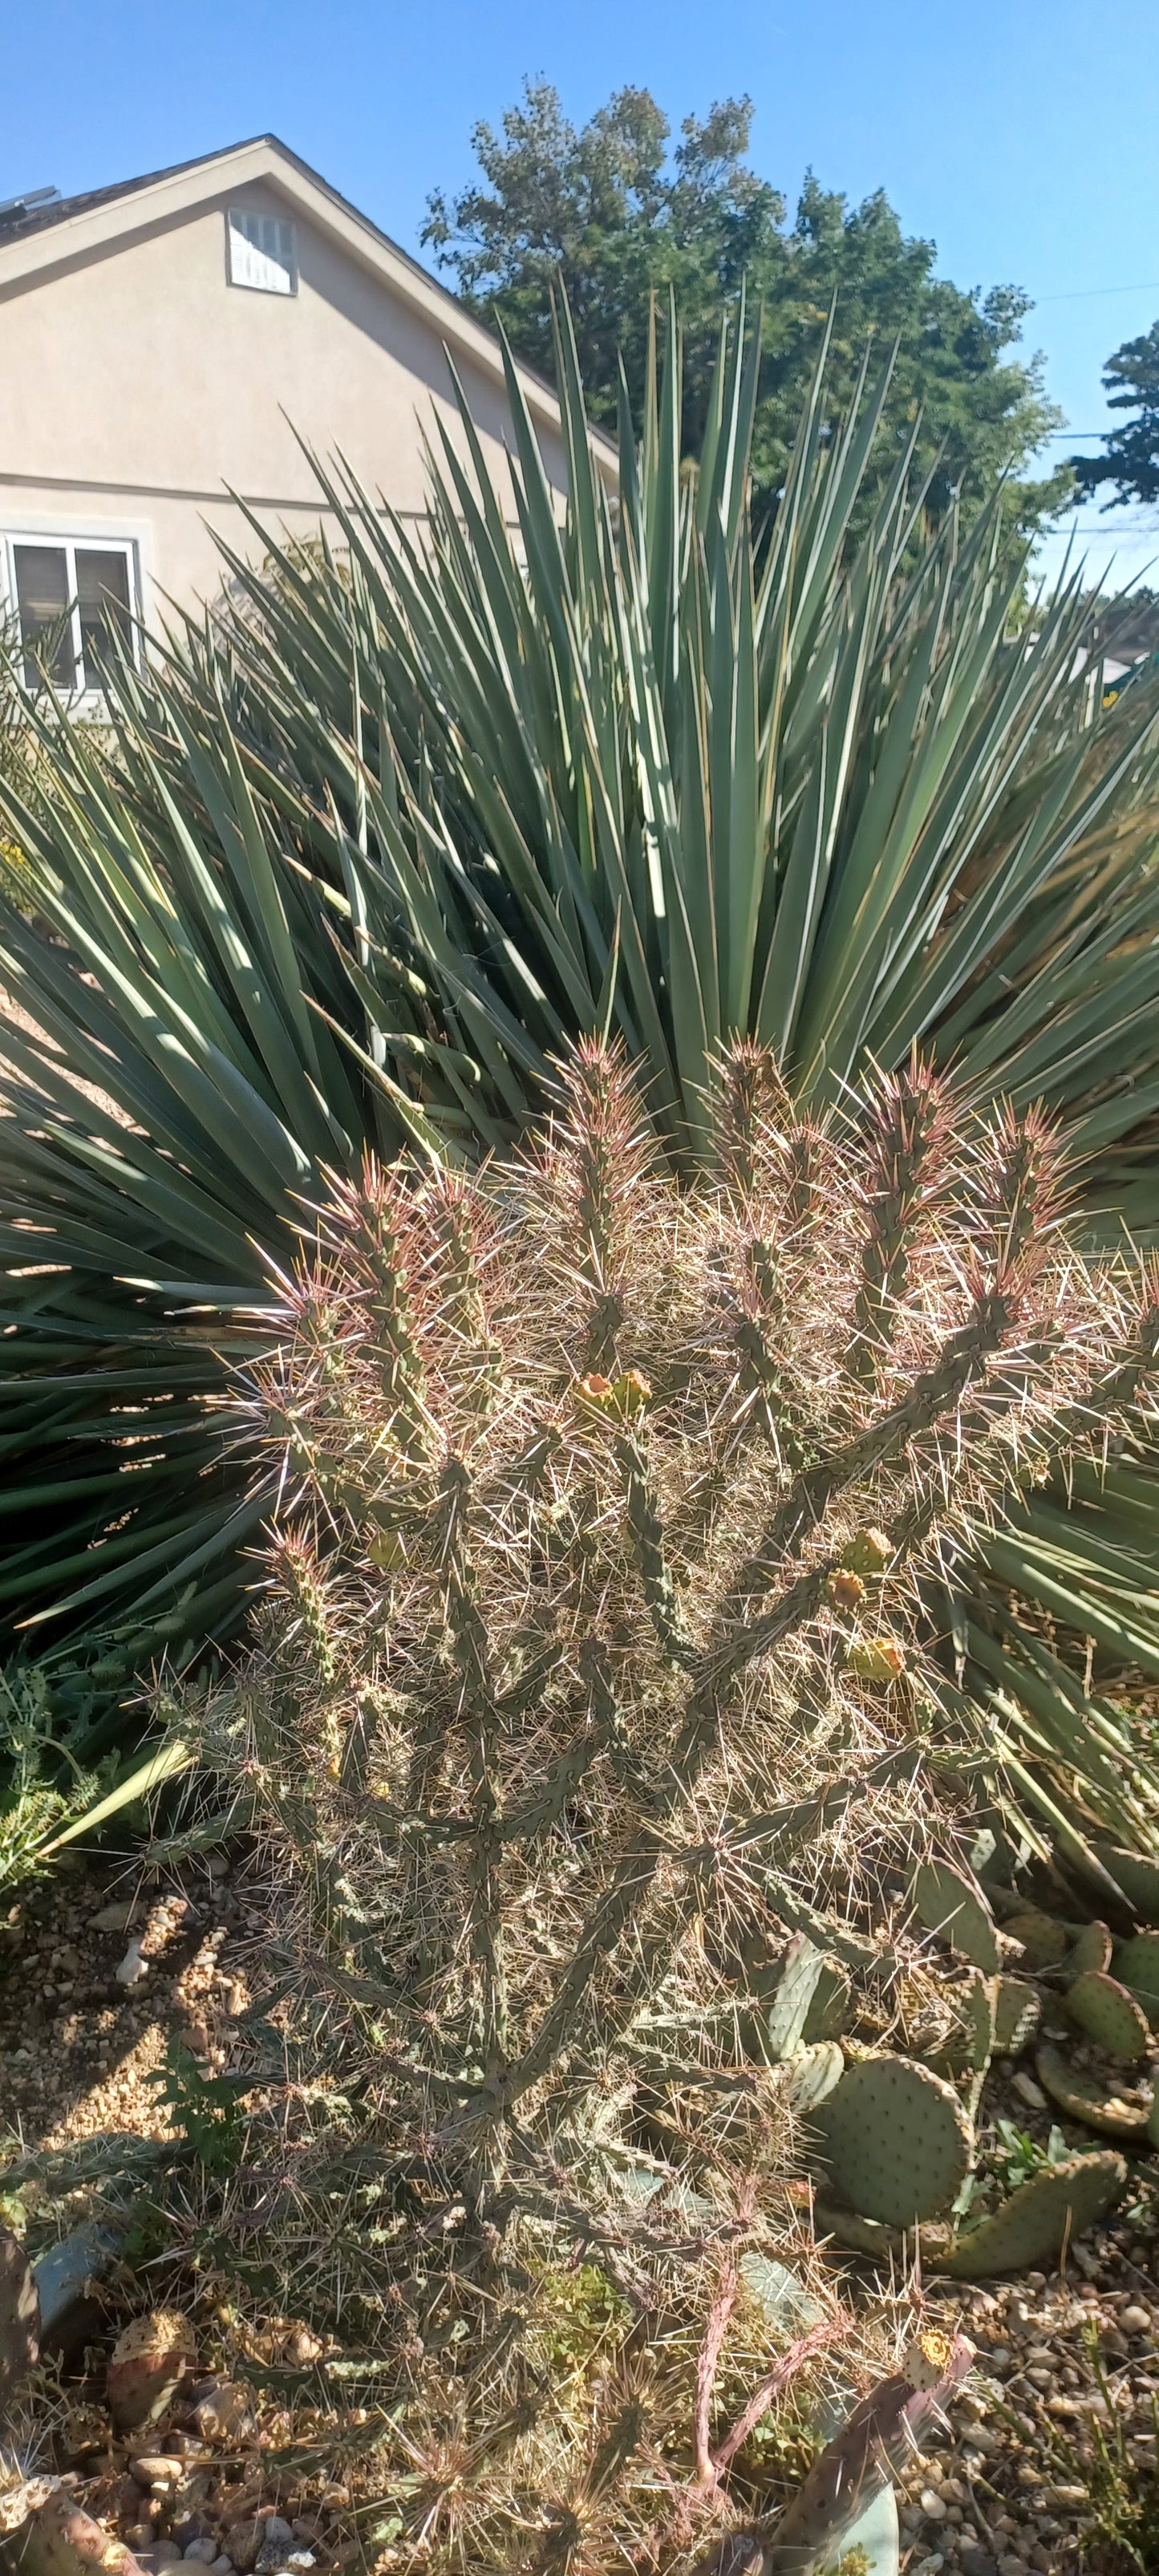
x,y
1079,294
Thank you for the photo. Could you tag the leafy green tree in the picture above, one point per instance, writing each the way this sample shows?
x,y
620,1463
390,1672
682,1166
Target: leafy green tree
x,y
610,209
1130,458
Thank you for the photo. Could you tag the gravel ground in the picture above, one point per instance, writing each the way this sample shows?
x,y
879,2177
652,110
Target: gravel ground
x,y
78,2042
1054,2436
1061,2362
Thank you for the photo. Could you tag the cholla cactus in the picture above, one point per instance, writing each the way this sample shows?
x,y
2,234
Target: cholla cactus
x,y
590,1660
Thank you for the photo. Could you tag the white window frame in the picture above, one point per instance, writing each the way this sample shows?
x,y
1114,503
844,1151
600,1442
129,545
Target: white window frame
x,y
242,251
88,695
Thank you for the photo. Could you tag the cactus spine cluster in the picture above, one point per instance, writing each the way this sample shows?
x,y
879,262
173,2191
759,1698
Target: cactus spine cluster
x,y
576,1461
590,1655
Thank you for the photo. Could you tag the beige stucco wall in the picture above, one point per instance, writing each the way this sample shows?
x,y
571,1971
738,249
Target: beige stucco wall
x,y
136,382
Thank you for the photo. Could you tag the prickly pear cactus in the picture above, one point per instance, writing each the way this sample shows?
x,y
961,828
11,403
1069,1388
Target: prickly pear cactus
x,y
1108,2015
1056,2204
950,1903
1044,1941
796,1988
814,2074
1017,2014
1116,2110
874,2446
829,2007
1091,1952
896,2141
1136,1966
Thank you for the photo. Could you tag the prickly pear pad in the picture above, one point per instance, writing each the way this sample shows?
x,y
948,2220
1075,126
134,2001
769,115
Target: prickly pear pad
x,y
1054,2206
896,2140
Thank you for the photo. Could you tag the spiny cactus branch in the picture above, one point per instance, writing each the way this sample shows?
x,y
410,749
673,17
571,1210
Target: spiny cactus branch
x,y
526,1694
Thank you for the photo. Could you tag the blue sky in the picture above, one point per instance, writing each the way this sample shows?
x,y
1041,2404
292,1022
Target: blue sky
x,y
1025,142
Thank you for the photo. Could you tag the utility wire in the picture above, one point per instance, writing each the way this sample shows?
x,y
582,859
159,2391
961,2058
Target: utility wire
x,y
1079,294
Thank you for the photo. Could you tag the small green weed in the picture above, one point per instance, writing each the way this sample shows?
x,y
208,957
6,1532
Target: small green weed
x,y
1122,2533
206,2109
1019,2156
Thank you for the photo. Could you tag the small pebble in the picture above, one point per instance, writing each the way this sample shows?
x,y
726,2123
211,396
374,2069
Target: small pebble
x,y
277,2532
242,2543
932,2505
1028,2091
133,1967
223,2416
1135,2320
205,2551
155,2468
113,1918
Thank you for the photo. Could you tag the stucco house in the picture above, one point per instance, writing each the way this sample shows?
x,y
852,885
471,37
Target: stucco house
x,y
164,339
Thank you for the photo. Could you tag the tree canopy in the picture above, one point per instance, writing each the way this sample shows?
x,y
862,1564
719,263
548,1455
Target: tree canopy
x,y
617,213
1130,458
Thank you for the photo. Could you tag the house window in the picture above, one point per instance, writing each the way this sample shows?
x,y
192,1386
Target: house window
x,y
261,252
74,601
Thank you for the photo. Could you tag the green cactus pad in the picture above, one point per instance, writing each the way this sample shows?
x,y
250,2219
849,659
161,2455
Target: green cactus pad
x,y
1084,2097
1138,1878
1091,1950
1137,1968
795,1989
887,2245
1109,2015
950,1902
814,2074
1043,1938
1057,2204
828,2012
896,2140
1017,2014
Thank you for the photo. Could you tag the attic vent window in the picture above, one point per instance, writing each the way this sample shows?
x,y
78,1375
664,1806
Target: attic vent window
x,y
261,252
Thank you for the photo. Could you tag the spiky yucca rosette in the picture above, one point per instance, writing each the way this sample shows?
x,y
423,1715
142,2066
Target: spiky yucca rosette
x,y
589,1669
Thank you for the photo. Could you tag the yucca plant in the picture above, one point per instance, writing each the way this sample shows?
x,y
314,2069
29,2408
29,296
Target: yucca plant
x,y
370,846
589,1667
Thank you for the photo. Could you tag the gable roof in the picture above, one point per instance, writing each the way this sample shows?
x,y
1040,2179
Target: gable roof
x,y
20,217
34,240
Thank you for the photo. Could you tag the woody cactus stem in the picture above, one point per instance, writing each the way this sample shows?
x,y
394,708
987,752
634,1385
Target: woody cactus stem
x,y
907,1170
546,1691
757,1133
